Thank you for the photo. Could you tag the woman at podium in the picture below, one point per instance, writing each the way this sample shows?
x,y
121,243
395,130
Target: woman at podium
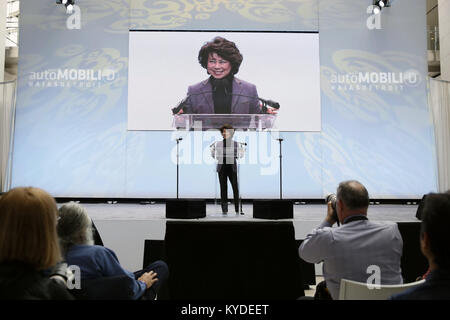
x,y
222,92
226,152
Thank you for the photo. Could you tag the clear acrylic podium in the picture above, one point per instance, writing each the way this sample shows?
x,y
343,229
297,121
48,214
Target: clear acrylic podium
x,y
215,121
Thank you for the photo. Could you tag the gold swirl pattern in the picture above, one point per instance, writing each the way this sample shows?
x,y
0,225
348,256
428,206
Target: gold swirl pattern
x,y
91,12
401,114
110,141
177,13
332,162
31,62
70,50
340,14
119,16
162,14
94,101
365,105
308,12
206,5
268,14
202,16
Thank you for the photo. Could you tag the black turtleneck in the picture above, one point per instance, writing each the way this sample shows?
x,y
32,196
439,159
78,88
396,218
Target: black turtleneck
x,y
222,89
227,143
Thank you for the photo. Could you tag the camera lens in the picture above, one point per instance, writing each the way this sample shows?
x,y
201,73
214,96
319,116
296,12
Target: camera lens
x,y
331,197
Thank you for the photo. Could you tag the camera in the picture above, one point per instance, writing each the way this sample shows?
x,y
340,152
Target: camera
x,y
332,197
61,273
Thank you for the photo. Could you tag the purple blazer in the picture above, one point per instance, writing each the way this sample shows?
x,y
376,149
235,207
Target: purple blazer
x,y
200,100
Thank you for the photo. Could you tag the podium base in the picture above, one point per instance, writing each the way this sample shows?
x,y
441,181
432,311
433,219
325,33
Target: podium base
x,y
185,209
273,209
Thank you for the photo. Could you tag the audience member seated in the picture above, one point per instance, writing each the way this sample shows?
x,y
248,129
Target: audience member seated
x,y
349,250
76,237
434,246
28,246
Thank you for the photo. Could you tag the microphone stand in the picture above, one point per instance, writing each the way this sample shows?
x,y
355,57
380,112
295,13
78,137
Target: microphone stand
x,y
239,179
281,170
178,155
239,186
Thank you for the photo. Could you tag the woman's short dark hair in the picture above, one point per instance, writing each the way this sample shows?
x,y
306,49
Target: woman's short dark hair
x,y
227,127
224,48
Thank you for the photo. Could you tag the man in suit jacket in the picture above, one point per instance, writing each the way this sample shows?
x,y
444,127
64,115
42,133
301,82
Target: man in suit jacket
x,y
434,246
226,152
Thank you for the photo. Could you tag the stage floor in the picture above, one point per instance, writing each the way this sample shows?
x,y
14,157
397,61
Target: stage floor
x,y
125,227
309,212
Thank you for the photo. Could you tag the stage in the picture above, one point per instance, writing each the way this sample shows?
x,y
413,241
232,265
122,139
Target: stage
x,y
125,227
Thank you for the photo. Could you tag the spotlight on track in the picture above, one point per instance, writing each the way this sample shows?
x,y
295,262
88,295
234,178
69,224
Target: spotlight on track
x,y
68,4
378,5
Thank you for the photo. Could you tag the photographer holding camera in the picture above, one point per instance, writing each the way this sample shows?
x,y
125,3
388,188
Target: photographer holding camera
x,y
347,251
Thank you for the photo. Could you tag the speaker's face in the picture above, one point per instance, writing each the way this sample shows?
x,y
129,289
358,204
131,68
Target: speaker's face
x,y
218,67
227,133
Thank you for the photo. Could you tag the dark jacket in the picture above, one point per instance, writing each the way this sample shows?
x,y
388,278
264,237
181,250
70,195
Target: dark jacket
x,y
435,287
19,281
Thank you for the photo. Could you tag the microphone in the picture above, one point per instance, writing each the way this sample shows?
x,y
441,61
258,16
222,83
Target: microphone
x,y
270,103
182,103
265,102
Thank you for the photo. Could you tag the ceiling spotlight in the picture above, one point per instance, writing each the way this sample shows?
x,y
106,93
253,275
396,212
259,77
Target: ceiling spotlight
x,y
68,4
69,8
378,5
376,9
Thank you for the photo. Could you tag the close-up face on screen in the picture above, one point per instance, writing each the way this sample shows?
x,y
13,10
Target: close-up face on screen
x,y
280,67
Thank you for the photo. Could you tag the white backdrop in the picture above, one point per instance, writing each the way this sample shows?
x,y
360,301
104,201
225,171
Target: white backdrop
x,y
439,101
283,66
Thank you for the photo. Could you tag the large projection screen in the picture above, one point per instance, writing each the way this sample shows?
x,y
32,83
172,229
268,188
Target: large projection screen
x,y
284,66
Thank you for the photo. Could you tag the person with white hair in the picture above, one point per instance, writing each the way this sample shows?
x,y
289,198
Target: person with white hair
x,y
77,245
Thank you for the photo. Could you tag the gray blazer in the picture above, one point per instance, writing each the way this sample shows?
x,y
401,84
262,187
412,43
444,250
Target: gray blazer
x,y
217,151
200,100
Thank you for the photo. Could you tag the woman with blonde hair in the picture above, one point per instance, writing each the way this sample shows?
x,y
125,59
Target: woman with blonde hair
x,y
29,245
